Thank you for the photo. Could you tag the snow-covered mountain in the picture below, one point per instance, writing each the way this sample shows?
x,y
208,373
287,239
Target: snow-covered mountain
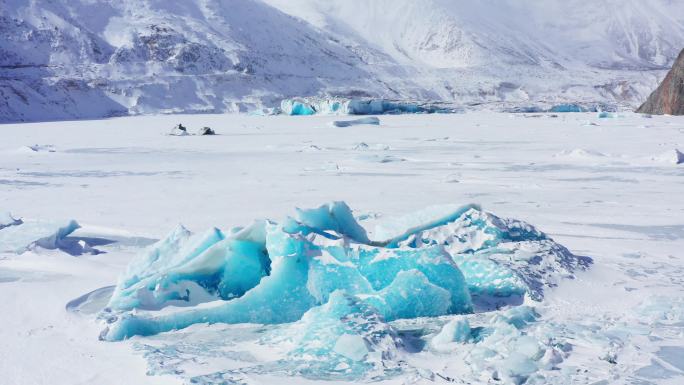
x,y
94,58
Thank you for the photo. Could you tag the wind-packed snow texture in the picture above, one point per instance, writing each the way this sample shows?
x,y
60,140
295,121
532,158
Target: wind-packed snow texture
x,y
83,59
273,273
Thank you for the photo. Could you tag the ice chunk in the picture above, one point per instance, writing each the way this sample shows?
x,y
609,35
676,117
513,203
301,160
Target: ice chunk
x,y
185,269
372,120
562,108
274,273
336,217
297,107
46,234
455,331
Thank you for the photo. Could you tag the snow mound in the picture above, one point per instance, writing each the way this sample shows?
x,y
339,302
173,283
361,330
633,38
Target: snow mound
x,y
372,120
580,154
37,148
673,157
273,273
20,236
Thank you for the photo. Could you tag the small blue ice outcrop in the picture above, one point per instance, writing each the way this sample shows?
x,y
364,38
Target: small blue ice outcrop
x,y
271,273
17,236
608,115
371,120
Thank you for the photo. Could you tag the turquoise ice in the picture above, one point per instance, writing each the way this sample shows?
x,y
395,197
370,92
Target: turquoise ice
x,y
272,273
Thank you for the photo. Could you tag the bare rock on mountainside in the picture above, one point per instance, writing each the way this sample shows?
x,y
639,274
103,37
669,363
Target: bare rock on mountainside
x,y
668,98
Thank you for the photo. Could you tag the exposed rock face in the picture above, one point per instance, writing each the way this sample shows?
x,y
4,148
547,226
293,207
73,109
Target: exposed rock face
x,y
669,97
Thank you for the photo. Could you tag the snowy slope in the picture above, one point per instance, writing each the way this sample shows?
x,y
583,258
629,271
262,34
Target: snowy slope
x,y
143,56
95,58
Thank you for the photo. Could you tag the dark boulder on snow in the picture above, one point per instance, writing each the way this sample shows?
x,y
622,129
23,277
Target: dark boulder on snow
x,y
206,131
668,98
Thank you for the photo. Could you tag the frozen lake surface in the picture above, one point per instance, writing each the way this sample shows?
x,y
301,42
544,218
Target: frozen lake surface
x,y
605,188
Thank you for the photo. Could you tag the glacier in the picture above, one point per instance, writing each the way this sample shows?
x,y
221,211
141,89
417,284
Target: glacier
x,y
274,273
360,106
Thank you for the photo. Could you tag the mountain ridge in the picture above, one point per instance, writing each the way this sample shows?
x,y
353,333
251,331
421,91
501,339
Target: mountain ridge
x,y
96,58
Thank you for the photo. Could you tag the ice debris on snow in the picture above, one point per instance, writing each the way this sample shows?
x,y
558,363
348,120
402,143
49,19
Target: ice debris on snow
x,y
371,120
38,148
20,236
273,273
608,115
7,220
342,106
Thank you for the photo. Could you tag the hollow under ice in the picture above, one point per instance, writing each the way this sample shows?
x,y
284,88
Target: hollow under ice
x,y
18,236
276,272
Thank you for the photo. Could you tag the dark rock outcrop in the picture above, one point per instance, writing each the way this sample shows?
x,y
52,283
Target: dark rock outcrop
x,y
669,97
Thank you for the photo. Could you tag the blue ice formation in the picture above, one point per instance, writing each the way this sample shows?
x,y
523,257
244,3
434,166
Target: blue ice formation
x,y
17,236
371,120
608,115
499,258
562,108
185,269
273,273
343,106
